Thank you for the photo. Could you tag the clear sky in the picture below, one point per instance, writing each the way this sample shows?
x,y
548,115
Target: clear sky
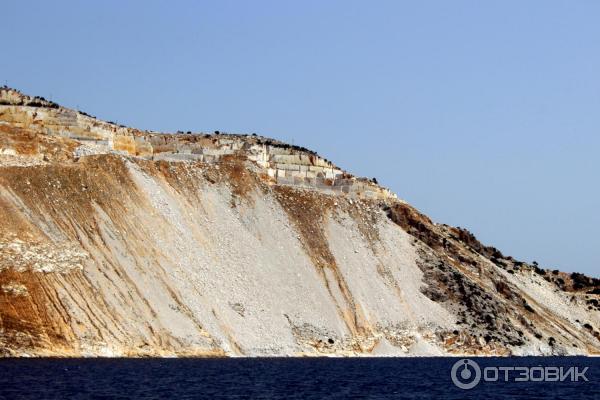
x,y
484,115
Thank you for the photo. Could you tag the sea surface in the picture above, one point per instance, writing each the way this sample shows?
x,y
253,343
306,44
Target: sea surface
x,y
277,378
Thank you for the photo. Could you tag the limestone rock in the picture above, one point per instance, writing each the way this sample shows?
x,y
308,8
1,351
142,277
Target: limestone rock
x,y
121,242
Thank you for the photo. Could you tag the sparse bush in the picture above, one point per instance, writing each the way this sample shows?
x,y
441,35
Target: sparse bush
x,y
539,271
580,280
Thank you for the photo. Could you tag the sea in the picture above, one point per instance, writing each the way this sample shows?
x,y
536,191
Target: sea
x,y
302,378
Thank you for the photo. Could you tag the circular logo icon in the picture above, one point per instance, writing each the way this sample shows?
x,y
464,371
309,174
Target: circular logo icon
x,y
466,374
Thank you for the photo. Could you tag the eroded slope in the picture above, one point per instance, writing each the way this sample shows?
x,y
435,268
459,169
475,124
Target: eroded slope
x,y
245,247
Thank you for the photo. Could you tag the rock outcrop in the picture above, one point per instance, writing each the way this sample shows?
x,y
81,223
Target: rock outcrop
x,y
121,242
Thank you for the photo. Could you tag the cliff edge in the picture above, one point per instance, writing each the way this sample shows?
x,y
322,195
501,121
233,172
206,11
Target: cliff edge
x,y
121,242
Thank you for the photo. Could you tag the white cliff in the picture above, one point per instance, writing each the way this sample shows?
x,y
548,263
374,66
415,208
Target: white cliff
x,y
119,242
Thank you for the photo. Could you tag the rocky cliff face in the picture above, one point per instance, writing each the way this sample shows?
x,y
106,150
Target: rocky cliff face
x,y
118,242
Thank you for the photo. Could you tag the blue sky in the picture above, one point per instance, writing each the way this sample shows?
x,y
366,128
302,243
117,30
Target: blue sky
x,y
484,115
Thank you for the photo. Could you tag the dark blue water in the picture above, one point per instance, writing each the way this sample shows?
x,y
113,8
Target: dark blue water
x,y
413,378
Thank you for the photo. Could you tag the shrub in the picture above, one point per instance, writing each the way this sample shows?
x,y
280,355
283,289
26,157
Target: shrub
x,y
580,280
539,271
